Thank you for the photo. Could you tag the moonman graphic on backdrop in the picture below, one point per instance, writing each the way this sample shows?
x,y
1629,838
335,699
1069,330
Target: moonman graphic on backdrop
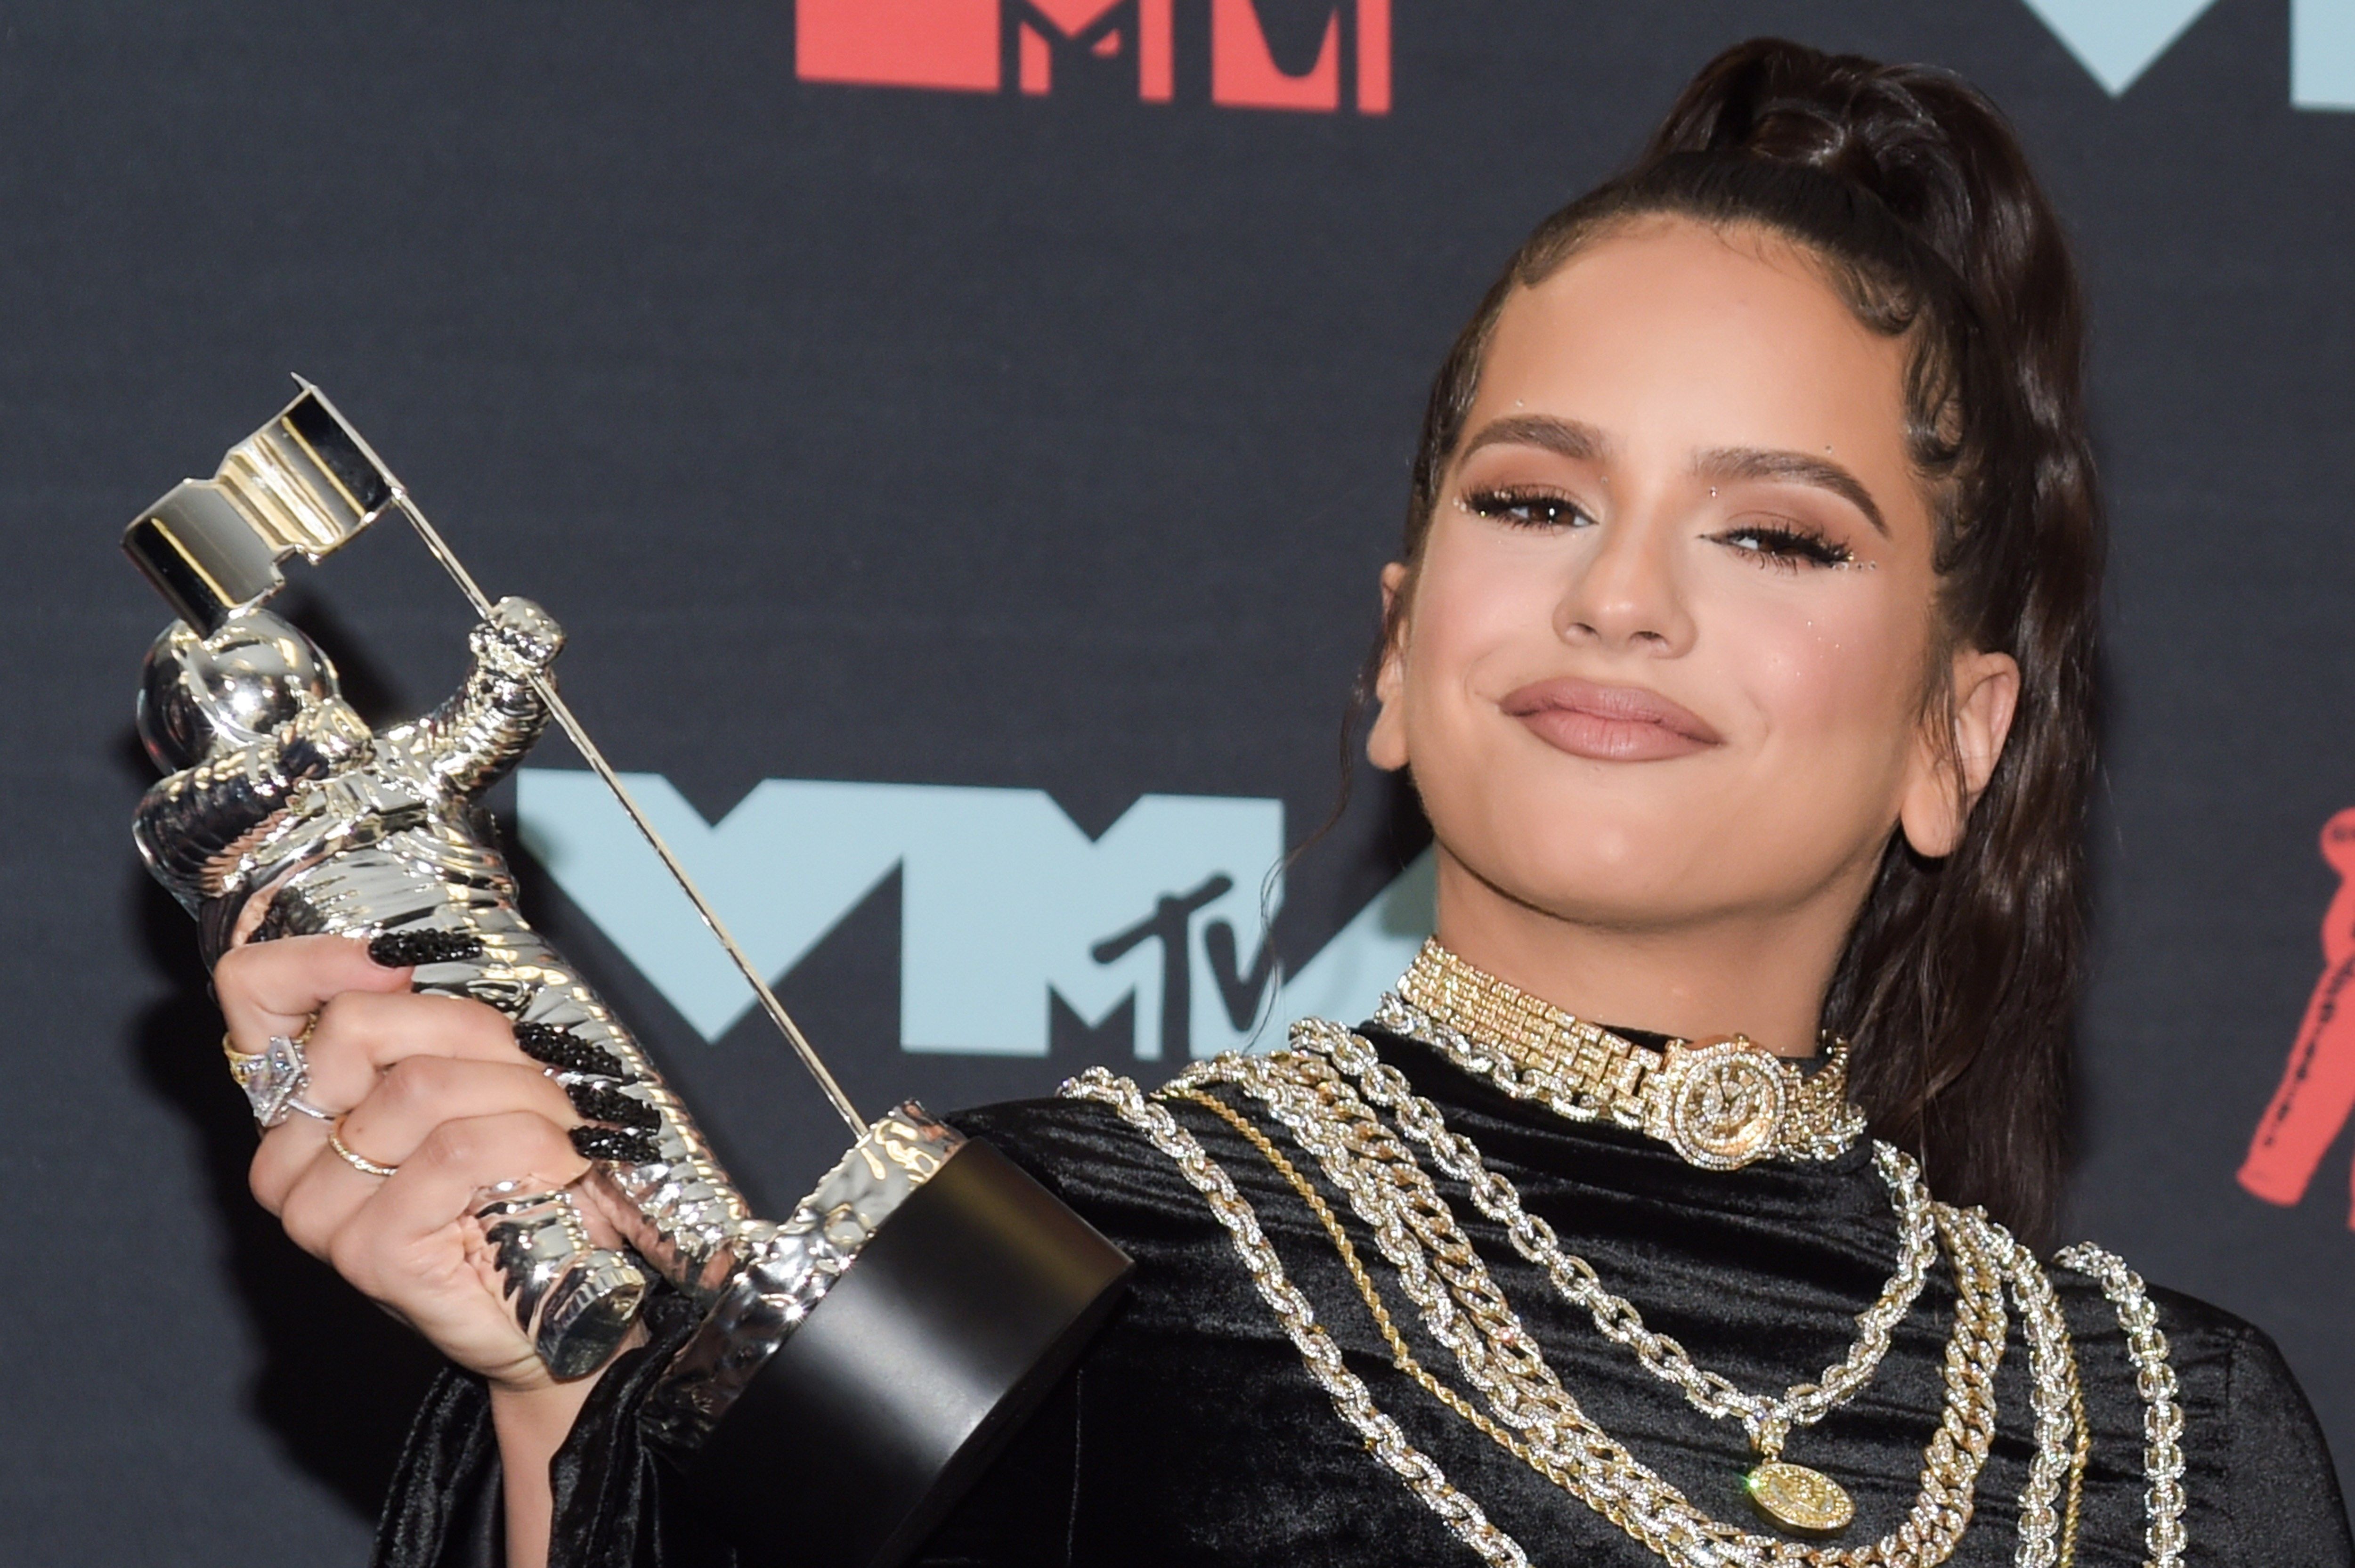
x,y
2317,1086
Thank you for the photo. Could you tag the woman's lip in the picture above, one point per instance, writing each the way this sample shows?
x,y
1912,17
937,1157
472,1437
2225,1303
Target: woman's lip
x,y
1608,723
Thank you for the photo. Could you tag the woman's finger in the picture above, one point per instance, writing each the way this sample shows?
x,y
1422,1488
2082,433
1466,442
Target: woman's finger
x,y
400,1110
459,1158
362,1033
418,1094
358,1034
273,988
317,1198
411,1242
403,1229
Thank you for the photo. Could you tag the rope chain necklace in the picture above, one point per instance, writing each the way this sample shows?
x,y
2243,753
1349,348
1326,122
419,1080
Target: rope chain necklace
x,y
1461,1306
1791,1494
1329,1093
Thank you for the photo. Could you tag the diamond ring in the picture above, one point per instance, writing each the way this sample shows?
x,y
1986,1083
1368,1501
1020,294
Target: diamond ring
x,y
273,1080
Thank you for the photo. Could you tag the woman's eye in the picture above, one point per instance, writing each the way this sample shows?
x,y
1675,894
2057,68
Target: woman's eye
x,y
1527,508
1780,545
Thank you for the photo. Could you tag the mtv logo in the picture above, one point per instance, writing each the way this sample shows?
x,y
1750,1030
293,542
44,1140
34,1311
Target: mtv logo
x,y
1006,907
1258,60
1314,55
2117,40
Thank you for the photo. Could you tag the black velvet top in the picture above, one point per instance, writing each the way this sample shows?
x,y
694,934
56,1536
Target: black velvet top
x,y
1190,1431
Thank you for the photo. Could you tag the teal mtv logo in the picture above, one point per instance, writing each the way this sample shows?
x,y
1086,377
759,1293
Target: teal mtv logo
x,y
2117,40
1005,904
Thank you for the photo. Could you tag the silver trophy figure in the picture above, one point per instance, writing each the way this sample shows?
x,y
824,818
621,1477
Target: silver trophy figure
x,y
287,817
877,1345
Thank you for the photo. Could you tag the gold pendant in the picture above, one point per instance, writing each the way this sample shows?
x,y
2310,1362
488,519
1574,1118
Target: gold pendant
x,y
1798,1498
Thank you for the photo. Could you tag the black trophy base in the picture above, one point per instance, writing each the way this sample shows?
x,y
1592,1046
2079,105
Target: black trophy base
x,y
889,1401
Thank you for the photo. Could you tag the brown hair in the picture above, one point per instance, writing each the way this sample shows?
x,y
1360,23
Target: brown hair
x,y
1960,980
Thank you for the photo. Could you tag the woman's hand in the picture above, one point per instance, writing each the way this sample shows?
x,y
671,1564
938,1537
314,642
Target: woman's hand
x,y
433,1086
436,1088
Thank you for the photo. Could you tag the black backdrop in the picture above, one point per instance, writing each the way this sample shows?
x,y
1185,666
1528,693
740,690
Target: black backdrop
x,y
1006,441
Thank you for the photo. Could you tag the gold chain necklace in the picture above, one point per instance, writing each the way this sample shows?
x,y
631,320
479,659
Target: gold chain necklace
x,y
1791,1495
2039,1522
2054,1396
1719,1106
1562,1443
1325,1116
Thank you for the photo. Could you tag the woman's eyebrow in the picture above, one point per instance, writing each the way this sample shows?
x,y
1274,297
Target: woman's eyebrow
x,y
1734,464
1565,438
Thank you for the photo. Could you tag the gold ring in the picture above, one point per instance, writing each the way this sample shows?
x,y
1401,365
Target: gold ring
x,y
240,1060
359,1162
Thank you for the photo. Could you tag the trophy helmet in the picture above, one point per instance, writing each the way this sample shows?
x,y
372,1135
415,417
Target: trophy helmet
x,y
199,695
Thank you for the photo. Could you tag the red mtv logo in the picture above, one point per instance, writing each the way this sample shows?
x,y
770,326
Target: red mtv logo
x,y
2316,1093
1263,54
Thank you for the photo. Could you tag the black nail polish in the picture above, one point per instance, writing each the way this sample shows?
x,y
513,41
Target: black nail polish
x,y
603,1103
277,921
567,1052
400,949
615,1145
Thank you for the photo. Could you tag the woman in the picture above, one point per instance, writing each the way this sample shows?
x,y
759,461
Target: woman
x,y
1742,653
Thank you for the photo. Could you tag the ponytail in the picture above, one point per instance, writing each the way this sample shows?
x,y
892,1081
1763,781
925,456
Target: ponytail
x,y
1960,980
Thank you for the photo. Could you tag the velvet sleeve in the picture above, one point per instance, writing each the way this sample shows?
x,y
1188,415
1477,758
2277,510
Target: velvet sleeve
x,y
622,1502
618,1502
2284,1490
442,1510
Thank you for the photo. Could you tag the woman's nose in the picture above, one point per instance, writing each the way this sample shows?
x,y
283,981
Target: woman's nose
x,y
1623,594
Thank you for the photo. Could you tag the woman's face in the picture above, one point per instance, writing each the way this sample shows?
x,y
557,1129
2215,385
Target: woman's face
x,y
1664,658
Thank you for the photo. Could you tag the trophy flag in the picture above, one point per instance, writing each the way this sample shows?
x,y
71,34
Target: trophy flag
x,y
306,484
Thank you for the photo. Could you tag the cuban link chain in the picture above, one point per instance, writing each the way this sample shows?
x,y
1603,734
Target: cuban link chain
x,y
2162,1422
2048,1535
2038,1547
1980,1247
1501,1357
2053,1388
2062,1436
2054,1398
1767,1418
1350,1397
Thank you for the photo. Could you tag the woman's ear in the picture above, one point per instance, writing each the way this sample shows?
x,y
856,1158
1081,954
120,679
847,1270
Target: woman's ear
x,y
1947,777
1386,743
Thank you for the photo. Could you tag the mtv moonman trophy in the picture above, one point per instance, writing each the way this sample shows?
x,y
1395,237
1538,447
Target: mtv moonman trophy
x,y
868,1353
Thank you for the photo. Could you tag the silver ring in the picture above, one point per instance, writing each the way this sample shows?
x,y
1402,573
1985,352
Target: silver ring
x,y
273,1080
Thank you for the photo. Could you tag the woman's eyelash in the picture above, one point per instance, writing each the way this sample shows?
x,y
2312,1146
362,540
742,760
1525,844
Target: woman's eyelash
x,y
1781,544
1786,547
1525,507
